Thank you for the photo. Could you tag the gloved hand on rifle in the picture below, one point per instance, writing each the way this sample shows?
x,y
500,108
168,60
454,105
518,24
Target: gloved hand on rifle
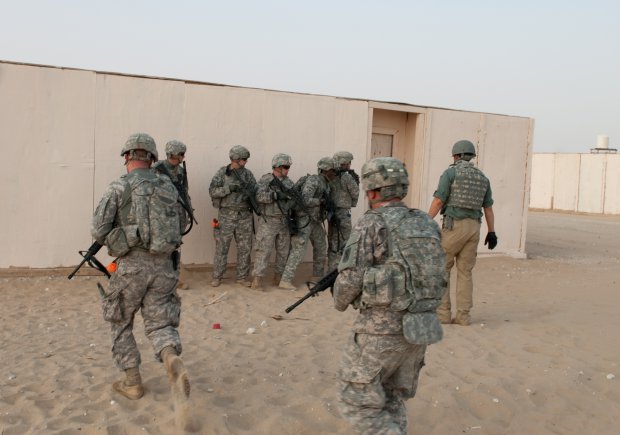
x,y
233,187
491,240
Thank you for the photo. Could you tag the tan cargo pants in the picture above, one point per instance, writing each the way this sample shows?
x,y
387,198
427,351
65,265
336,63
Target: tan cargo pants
x,y
461,246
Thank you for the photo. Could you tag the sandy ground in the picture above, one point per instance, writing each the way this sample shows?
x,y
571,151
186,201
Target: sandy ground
x,y
541,356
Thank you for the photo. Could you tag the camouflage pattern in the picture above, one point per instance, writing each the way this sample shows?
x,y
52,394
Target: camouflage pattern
x,y
220,186
147,283
379,368
378,374
281,159
469,187
177,172
140,141
273,229
127,213
310,227
239,152
175,147
383,171
343,157
237,224
326,163
344,193
236,220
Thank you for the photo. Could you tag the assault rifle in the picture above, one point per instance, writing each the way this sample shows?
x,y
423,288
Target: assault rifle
x,y
247,192
295,195
290,216
89,257
322,284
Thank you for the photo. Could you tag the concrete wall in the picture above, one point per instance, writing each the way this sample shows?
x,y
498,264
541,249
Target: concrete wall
x,y
587,183
62,131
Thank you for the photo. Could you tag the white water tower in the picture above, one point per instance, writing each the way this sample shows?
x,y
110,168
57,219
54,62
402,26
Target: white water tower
x,y
602,145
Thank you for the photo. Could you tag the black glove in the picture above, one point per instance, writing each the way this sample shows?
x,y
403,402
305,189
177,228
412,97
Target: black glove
x,y
491,239
233,187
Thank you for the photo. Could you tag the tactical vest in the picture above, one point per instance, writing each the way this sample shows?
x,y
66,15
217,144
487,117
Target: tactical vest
x,y
148,216
413,277
469,187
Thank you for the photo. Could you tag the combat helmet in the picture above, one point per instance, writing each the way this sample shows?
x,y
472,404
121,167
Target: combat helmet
x,y
140,141
385,172
343,157
463,147
326,163
175,147
281,159
238,152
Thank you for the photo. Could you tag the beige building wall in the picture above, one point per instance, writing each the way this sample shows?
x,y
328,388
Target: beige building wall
x,y
584,183
65,128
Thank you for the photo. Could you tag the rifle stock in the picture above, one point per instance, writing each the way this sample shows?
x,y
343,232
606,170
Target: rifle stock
x,y
323,284
89,257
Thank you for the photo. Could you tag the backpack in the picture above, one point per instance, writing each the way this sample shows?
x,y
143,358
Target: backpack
x,y
148,216
413,277
299,184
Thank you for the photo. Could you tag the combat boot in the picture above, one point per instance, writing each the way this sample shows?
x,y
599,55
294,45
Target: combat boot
x,y
276,279
462,318
216,282
257,283
177,375
244,282
444,317
131,387
182,285
286,285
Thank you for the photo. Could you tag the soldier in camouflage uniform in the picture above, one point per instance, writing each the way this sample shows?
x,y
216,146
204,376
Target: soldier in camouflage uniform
x,y
380,365
274,229
344,194
229,191
175,155
140,221
309,221
462,193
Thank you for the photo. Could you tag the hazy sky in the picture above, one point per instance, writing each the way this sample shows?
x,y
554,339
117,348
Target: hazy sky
x,y
555,61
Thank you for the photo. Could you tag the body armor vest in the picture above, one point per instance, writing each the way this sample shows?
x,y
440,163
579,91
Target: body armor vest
x,y
469,187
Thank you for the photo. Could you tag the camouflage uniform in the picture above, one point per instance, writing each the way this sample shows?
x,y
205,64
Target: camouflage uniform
x,y
145,281
310,228
178,178
273,229
344,196
379,368
235,220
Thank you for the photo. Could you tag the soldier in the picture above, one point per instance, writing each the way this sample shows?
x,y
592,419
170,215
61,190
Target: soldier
x,y
140,221
392,271
309,217
175,156
344,194
274,228
462,192
230,191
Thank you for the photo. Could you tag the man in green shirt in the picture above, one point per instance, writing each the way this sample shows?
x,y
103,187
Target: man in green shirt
x,y
461,196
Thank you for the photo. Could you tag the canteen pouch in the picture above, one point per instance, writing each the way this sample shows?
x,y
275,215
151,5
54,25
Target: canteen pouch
x,y
422,328
111,306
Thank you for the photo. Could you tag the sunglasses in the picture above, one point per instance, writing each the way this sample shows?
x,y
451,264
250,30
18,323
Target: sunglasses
x,y
285,166
181,154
